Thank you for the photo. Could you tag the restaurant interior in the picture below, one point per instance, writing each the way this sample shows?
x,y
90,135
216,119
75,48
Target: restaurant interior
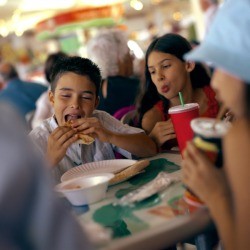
x,y
30,31
134,202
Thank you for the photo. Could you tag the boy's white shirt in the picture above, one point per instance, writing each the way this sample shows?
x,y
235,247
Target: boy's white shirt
x,y
78,154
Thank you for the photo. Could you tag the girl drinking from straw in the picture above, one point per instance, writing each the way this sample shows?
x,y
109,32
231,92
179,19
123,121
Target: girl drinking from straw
x,y
167,74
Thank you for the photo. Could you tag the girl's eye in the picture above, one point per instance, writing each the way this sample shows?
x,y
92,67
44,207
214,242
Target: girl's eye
x,y
166,66
151,72
66,96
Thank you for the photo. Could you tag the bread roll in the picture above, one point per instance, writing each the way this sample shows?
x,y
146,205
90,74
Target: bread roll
x,y
129,172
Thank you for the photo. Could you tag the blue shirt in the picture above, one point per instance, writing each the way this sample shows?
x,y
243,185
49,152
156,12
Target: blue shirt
x,y
22,95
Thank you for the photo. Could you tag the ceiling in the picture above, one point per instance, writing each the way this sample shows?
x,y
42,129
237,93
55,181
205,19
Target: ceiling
x,y
20,15
31,7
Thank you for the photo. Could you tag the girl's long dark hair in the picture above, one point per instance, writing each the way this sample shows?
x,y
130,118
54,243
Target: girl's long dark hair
x,y
178,46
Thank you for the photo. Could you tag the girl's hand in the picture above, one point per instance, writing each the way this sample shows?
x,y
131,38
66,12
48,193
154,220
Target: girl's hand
x,y
162,132
229,117
92,127
58,142
202,177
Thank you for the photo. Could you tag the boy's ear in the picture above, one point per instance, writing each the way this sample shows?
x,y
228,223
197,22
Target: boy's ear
x,y
97,101
51,98
190,66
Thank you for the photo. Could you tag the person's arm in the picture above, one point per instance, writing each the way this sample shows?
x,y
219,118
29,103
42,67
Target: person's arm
x,y
211,185
159,131
237,152
137,143
222,211
150,118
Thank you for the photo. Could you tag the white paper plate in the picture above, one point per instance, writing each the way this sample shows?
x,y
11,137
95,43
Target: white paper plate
x,y
107,166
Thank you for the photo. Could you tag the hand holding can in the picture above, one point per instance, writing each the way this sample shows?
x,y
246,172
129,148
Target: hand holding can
x,y
208,134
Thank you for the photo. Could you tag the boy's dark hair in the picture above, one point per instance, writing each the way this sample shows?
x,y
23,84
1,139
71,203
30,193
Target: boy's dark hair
x,y
50,62
78,65
176,45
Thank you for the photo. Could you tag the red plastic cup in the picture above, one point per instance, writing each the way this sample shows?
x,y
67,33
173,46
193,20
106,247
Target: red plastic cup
x,y
181,117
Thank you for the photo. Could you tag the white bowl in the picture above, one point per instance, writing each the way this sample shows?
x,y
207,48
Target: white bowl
x,y
86,189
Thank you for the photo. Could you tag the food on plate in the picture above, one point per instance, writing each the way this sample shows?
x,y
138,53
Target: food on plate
x,y
69,187
84,139
129,172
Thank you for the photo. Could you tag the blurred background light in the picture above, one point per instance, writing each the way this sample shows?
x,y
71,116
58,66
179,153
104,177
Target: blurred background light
x,y
136,4
156,2
136,49
31,5
3,2
177,16
100,2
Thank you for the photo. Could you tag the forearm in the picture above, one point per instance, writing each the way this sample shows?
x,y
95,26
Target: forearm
x,y
222,213
137,144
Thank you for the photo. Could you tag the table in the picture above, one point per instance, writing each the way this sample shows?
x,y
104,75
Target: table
x,y
158,222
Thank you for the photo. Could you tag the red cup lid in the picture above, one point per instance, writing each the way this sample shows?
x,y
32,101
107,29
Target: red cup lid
x,y
185,108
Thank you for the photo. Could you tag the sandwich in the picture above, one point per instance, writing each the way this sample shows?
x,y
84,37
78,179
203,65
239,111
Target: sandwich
x,y
83,139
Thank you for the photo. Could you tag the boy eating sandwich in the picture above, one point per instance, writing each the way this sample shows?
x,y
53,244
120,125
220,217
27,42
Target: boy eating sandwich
x,y
75,84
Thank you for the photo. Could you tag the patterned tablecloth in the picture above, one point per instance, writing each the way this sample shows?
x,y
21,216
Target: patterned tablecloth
x,y
161,212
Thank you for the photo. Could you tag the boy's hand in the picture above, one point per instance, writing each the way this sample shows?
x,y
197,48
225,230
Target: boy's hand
x,y
58,142
162,132
92,127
